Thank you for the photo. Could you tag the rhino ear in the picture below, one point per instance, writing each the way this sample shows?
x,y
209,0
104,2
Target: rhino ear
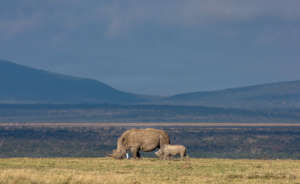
x,y
123,140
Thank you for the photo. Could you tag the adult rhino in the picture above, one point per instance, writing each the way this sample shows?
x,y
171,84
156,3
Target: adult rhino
x,y
135,140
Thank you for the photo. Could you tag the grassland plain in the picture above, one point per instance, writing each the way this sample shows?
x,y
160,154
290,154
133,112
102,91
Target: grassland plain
x,y
146,171
203,140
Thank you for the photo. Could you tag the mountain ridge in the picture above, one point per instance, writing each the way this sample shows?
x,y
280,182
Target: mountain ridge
x,y
28,85
269,95
23,84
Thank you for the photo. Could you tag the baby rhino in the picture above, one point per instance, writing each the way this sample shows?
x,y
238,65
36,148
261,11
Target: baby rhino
x,y
169,150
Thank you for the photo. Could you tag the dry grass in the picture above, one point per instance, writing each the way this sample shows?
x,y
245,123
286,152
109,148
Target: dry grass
x,y
145,171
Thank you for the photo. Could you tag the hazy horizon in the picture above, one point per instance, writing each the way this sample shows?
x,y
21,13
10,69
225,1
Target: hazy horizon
x,y
156,48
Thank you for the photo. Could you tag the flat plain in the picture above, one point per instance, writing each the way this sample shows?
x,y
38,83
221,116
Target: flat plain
x,y
146,171
75,154
203,140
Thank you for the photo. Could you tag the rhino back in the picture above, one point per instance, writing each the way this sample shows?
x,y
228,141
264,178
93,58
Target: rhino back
x,y
165,137
174,149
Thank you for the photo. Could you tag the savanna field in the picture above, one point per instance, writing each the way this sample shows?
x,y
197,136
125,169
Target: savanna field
x,y
146,171
75,154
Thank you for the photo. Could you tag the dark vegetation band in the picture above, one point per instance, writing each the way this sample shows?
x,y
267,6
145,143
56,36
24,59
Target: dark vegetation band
x,y
205,142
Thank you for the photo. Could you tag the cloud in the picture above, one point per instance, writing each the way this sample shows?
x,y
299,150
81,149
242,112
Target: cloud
x,y
11,27
118,16
17,16
195,13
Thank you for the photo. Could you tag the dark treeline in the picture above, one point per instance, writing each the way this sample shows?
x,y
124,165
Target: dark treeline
x,y
139,113
221,142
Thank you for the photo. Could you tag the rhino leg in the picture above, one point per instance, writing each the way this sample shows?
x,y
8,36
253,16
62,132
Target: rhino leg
x,y
138,154
182,155
135,152
167,156
161,157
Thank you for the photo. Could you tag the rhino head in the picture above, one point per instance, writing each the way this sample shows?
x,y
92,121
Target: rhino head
x,y
118,154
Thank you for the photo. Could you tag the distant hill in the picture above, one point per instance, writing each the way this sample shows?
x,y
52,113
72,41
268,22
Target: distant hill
x,y
21,84
279,95
25,85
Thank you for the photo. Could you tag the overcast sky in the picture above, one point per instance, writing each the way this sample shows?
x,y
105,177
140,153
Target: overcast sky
x,y
156,47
